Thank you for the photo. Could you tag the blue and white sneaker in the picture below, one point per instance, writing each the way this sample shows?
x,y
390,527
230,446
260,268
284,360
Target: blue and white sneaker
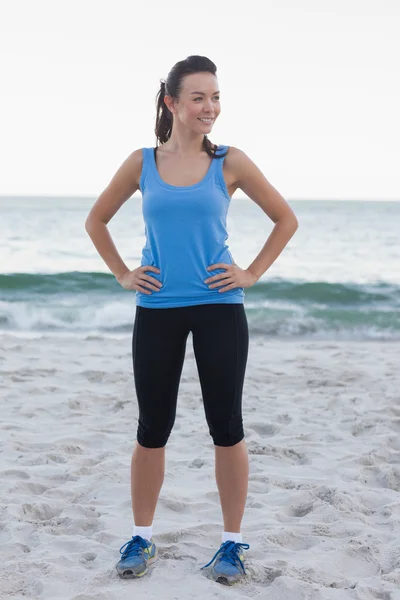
x,y
228,568
137,555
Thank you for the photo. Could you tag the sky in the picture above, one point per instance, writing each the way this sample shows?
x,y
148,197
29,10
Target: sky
x,y
310,90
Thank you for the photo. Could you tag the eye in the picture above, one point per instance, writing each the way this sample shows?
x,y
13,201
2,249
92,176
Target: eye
x,y
202,98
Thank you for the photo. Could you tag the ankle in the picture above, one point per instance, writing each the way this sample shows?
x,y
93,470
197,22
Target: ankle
x,y
234,537
144,532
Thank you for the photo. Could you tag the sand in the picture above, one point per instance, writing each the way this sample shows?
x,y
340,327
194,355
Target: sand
x,y
322,425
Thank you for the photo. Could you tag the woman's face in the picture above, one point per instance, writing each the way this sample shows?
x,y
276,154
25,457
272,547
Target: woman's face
x,y
199,98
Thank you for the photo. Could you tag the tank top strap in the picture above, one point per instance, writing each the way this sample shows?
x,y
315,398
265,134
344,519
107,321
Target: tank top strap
x,y
222,149
146,166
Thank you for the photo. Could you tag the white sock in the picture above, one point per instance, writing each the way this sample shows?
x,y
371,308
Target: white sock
x,y
234,537
144,532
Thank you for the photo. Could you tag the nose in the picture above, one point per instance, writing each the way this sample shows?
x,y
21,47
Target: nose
x,y
209,107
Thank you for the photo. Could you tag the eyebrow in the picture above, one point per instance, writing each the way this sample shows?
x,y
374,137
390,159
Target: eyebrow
x,y
202,93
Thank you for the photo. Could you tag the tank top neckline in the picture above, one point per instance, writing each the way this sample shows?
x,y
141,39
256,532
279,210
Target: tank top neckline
x,y
181,187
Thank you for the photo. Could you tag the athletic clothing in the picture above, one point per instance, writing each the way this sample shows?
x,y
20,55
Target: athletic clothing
x,y
220,343
185,229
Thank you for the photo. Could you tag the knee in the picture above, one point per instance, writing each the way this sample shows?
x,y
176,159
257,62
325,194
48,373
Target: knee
x,y
148,444
152,437
150,440
228,432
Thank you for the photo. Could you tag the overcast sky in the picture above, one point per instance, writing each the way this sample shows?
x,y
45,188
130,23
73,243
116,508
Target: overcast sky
x,y
310,89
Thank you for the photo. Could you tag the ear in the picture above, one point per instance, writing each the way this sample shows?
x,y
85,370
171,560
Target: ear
x,y
169,101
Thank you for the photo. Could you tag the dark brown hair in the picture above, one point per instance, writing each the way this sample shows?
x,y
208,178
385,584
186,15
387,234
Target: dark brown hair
x,y
172,86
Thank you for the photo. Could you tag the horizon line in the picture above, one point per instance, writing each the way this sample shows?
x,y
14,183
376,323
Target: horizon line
x,y
298,199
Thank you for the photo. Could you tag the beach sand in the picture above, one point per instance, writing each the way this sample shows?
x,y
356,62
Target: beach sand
x,y
322,425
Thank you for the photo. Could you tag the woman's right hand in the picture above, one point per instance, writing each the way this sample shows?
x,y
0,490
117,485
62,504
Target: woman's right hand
x,y
138,280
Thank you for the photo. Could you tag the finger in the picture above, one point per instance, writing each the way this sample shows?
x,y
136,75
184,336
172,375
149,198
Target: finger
x,y
150,268
152,280
217,277
229,287
148,284
228,273
218,266
143,290
222,281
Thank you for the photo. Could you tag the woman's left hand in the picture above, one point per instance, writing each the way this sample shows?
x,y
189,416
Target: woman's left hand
x,y
233,277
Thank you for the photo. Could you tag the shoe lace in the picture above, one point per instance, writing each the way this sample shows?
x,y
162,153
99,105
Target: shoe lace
x,y
134,547
229,552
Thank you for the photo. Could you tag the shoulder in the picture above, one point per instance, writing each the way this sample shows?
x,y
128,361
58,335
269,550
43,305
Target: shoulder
x,y
135,163
129,173
237,162
233,152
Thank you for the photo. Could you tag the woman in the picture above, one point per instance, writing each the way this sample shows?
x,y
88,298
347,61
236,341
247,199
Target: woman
x,y
189,282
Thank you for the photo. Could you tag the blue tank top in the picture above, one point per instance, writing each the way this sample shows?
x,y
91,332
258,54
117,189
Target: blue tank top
x,y
185,229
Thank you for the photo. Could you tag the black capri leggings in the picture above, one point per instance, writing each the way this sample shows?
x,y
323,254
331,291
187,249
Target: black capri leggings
x,y
220,343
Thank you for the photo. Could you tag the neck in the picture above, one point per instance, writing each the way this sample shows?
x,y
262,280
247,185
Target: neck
x,y
184,144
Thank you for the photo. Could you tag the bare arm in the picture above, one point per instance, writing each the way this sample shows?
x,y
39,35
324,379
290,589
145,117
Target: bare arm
x,y
254,184
124,183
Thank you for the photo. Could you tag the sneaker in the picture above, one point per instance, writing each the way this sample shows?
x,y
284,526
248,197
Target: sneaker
x,y
228,568
137,554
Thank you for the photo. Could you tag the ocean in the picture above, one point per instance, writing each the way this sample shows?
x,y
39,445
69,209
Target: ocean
x,y
338,277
